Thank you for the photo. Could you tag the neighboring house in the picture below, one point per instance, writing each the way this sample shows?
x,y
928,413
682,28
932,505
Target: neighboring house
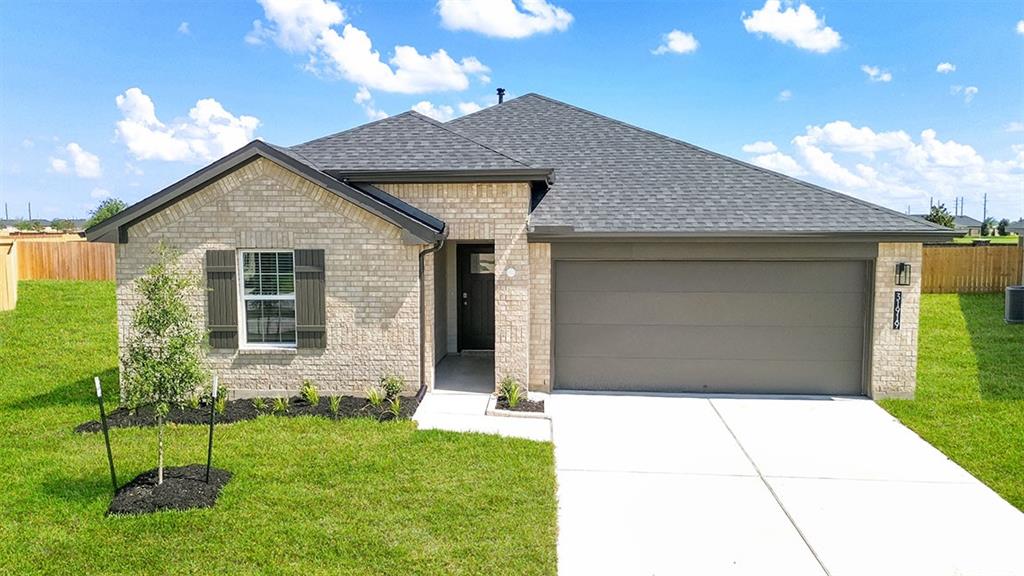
x,y
1016,227
587,253
965,225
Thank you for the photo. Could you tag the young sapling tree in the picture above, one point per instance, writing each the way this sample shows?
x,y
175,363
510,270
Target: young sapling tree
x,y
162,362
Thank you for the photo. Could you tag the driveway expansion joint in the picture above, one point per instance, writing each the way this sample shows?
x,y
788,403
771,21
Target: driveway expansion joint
x,y
771,490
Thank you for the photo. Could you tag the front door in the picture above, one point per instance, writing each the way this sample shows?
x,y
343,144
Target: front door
x,y
476,296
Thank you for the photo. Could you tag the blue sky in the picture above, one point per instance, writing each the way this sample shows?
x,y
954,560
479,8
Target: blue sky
x,y
123,99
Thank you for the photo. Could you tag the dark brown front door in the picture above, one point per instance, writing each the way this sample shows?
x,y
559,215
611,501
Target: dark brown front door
x,y
476,296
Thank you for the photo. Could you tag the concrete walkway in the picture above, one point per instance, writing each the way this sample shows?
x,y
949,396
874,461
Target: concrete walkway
x,y
465,412
696,485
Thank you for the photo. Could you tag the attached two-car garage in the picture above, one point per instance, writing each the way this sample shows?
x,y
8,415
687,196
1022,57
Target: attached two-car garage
x,y
720,326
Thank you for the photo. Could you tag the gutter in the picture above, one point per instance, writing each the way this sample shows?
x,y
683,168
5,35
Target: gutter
x,y
423,323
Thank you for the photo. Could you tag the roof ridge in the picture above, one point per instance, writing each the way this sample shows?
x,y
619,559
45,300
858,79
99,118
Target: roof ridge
x,y
352,129
721,156
442,126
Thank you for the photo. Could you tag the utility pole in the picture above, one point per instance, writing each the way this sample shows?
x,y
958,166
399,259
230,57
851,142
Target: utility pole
x,y
984,209
29,210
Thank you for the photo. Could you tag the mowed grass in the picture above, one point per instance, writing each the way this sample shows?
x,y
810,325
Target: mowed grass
x,y
970,388
309,496
1010,239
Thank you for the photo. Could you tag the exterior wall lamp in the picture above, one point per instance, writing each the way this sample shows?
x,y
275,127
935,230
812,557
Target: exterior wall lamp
x,y
903,274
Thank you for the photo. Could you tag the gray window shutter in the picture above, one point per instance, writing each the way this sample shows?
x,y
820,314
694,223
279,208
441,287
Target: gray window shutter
x,y
310,303
221,299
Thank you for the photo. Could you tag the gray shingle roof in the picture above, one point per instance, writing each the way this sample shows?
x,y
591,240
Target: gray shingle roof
x,y
406,142
611,177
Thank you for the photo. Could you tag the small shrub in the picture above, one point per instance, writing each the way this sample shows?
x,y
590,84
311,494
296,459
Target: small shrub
x,y
280,405
309,393
334,403
221,405
259,404
392,386
194,400
375,396
510,390
395,406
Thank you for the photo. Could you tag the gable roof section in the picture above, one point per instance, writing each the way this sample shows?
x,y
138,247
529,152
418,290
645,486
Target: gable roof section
x,y
615,179
409,143
418,223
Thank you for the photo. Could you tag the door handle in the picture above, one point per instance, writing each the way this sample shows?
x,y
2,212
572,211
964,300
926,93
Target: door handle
x,y
465,299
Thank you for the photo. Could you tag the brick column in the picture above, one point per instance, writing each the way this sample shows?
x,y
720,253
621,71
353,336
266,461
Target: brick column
x,y
894,352
540,317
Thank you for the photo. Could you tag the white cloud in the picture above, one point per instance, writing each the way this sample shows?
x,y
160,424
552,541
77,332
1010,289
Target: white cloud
x,y
87,164
760,147
779,162
876,74
1020,27
469,107
208,133
677,42
945,67
785,96
132,169
99,193
59,165
28,143
441,113
800,27
502,18
309,26
893,168
184,29
1014,126
968,92
365,101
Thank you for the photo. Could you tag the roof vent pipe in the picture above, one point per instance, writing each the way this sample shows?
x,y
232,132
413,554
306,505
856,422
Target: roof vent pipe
x,y
501,95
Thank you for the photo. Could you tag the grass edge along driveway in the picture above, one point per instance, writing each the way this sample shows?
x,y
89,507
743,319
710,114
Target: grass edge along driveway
x,y
970,389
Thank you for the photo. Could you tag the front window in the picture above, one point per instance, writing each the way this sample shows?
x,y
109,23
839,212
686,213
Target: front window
x,y
267,284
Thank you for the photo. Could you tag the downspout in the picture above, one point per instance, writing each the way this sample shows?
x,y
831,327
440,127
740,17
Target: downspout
x,y
423,322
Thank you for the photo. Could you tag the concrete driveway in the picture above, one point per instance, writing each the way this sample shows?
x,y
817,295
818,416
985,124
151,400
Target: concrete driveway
x,y
728,485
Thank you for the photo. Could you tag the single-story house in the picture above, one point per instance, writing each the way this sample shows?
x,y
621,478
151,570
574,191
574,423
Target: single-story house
x,y
587,253
1016,227
965,225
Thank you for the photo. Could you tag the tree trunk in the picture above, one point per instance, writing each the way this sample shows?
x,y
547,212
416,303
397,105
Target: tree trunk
x,y
160,450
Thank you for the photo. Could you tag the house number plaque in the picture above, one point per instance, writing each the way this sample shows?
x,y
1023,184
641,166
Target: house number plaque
x,y
897,305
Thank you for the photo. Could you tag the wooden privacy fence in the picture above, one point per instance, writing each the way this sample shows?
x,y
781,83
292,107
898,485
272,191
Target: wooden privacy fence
x,y
8,275
963,268
43,260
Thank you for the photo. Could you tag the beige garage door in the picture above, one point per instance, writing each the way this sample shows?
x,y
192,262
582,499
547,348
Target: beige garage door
x,y
730,327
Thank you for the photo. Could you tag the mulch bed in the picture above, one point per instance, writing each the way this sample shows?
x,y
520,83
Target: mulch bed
x,y
184,488
243,409
523,406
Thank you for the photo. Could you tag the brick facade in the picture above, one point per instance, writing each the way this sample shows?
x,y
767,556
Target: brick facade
x,y
485,213
540,317
894,352
371,277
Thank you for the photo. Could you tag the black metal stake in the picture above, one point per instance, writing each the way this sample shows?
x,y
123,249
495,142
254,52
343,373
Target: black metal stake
x,y
106,434
209,444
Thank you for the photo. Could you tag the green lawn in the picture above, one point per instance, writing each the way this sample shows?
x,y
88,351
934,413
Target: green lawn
x,y
309,496
1011,239
970,388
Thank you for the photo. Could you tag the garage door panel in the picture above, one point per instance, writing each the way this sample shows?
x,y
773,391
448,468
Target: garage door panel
x,y
709,309
736,326
756,277
742,377
710,343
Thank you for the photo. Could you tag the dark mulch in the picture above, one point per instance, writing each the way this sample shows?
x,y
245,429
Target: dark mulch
x,y
243,409
184,488
523,406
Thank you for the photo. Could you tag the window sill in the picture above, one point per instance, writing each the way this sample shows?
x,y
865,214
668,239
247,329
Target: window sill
x,y
267,351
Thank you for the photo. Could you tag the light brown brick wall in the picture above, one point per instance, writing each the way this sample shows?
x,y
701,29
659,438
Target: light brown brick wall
x,y
371,277
894,352
540,317
487,212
